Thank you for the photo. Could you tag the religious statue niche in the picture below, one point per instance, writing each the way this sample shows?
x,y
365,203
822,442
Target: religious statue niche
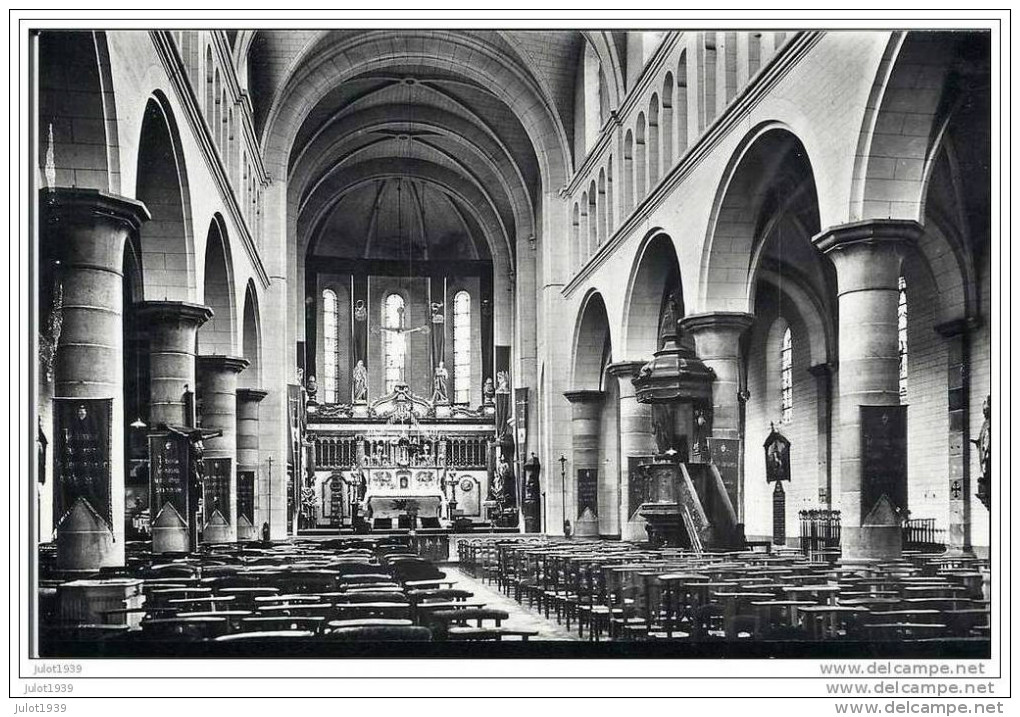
x,y
984,448
488,392
311,388
702,414
663,418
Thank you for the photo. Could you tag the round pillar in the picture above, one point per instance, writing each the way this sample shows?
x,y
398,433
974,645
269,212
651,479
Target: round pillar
x,y
89,230
717,339
637,442
172,326
248,526
867,256
586,425
217,396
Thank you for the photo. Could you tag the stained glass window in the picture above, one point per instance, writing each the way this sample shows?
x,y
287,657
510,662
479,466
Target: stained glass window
x,y
331,357
786,376
462,347
394,342
901,322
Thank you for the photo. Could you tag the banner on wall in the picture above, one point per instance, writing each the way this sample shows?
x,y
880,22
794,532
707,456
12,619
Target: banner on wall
x,y
81,457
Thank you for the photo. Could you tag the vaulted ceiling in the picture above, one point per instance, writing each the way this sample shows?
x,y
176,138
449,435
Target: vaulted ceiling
x,y
472,126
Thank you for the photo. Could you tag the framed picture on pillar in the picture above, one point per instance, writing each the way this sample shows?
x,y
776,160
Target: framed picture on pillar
x,y
169,468
587,491
81,457
216,488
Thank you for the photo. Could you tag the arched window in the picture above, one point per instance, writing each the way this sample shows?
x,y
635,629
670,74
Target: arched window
x,y
462,347
901,319
786,376
394,345
331,353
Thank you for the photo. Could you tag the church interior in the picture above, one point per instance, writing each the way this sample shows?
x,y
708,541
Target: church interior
x,y
678,341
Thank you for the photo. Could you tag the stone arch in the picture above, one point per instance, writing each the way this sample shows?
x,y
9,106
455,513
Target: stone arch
x,y
575,231
78,139
896,143
769,177
162,184
681,104
610,199
628,174
818,321
640,159
218,335
654,155
667,122
591,335
655,271
251,338
603,206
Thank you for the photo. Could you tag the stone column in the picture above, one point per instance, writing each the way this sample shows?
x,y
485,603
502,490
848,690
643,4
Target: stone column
x,y
217,396
637,440
717,339
867,256
88,230
248,451
172,326
586,425
959,489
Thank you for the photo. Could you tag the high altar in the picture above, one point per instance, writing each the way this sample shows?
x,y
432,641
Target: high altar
x,y
402,462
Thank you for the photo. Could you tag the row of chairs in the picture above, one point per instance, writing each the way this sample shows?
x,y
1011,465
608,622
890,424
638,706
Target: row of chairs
x,y
348,589
626,590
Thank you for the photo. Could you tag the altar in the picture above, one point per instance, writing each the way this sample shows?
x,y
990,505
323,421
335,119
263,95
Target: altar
x,y
395,492
400,463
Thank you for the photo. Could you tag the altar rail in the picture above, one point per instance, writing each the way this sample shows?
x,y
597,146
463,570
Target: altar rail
x,y
921,534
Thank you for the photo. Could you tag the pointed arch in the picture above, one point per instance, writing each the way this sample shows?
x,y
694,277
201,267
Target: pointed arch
x,y
218,335
168,255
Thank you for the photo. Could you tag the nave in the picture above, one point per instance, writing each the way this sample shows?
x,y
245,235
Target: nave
x,y
324,597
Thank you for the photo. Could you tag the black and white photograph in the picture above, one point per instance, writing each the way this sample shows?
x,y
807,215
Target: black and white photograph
x,y
637,341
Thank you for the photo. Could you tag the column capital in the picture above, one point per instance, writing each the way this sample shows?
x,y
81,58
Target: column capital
x,y
869,232
625,369
236,364
70,204
719,321
251,395
824,369
957,327
584,396
170,312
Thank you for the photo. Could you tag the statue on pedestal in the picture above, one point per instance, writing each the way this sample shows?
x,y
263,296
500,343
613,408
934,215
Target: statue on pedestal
x,y
440,380
984,448
488,392
359,389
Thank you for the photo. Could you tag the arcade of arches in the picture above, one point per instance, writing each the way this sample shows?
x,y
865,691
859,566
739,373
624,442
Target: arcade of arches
x,y
495,280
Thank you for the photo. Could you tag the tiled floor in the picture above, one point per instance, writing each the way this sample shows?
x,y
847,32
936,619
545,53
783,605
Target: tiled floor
x,y
520,617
